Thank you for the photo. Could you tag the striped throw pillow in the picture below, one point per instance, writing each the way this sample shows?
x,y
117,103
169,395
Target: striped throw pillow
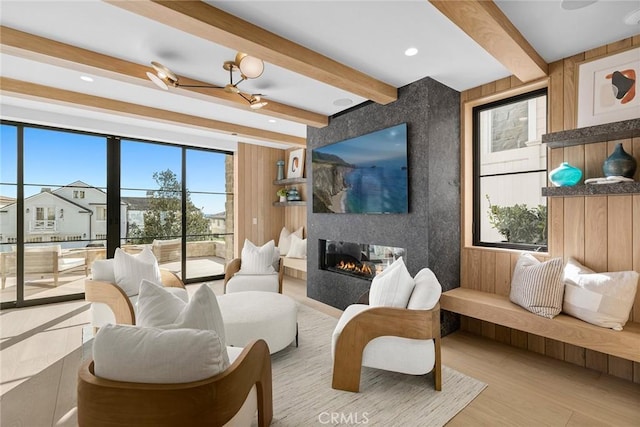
x,y
538,286
257,259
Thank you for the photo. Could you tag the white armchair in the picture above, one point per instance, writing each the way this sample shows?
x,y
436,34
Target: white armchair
x,y
262,270
110,302
405,340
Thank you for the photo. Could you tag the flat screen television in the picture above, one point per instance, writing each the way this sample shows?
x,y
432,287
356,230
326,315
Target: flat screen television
x,y
364,175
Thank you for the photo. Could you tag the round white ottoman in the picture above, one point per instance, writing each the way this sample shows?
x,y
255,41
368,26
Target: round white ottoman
x,y
252,315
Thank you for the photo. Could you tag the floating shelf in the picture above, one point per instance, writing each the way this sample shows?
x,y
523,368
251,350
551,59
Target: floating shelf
x,y
592,190
296,203
290,181
606,132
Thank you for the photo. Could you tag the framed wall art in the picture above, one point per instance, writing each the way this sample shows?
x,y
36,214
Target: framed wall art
x,y
608,89
295,166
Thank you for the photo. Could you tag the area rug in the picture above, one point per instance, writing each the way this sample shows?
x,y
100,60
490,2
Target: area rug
x,y
302,393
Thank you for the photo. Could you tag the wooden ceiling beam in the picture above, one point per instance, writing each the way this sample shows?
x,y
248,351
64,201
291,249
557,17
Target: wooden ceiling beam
x,y
22,89
485,23
205,21
29,46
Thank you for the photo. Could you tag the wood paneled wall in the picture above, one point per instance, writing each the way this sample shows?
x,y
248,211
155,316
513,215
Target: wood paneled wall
x,y
296,216
603,232
255,170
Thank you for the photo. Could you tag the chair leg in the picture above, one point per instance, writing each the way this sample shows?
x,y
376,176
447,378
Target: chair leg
x,y
437,368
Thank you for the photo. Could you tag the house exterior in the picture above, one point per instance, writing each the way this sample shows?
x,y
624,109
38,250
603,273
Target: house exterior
x,y
74,212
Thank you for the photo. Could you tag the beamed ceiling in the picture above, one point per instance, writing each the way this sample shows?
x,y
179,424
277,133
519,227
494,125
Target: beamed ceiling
x,y
321,57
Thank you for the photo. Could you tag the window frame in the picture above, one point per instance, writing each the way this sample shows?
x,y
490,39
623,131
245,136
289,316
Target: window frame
x,y
476,155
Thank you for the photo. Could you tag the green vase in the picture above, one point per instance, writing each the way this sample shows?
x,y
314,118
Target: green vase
x,y
619,163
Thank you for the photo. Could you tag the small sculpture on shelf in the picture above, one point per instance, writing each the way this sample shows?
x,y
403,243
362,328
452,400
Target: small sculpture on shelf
x,y
280,175
293,195
619,163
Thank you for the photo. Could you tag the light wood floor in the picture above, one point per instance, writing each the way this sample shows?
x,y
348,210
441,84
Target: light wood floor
x,y
40,353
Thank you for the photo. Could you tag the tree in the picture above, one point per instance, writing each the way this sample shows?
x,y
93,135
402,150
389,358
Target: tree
x,y
163,219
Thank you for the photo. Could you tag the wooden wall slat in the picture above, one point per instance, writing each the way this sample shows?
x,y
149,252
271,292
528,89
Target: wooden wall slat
x,y
556,97
519,339
620,244
569,106
597,361
474,261
502,273
619,46
621,368
636,252
593,159
596,232
574,228
488,271
503,334
535,343
574,354
553,348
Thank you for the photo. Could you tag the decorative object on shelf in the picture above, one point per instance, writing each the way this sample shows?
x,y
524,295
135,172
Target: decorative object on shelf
x,y
293,195
282,193
280,164
619,163
608,89
565,175
296,163
607,180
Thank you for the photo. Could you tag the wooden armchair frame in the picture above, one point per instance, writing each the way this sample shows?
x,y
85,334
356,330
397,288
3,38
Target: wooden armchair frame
x,y
234,265
112,295
377,322
212,402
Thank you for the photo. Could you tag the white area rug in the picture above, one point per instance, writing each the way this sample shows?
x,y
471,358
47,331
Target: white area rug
x,y
302,393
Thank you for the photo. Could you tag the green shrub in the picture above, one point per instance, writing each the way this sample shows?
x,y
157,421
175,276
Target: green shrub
x,y
519,223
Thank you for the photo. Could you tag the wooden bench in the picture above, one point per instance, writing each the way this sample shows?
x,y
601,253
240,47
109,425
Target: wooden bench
x,y
499,310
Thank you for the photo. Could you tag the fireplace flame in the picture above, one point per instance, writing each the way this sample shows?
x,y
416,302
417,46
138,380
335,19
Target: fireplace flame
x,y
352,267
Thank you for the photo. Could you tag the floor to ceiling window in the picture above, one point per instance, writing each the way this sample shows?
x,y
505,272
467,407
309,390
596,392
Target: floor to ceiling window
x,y
56,218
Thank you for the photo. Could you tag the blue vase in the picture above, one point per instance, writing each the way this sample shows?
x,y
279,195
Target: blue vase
x,y
619,163
565,175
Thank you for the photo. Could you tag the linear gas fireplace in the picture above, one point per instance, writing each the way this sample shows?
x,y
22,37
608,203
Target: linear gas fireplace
x,y
359,260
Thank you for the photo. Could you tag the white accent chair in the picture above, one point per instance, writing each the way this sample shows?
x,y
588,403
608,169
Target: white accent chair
x,y
229,398
110,303
405,340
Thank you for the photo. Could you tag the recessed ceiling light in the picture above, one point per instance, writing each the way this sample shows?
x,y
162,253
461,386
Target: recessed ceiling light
x,y
272,120
632,18
342,102
411,51
86,78
575,4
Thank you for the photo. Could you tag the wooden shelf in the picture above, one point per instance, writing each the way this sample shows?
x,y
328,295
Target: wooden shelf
x,y
296,203
290,181
592,190
606,132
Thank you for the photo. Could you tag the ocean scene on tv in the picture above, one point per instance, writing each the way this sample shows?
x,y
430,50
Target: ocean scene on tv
x,y
366,174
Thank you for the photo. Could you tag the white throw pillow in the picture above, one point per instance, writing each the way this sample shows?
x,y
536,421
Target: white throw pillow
x,y
284,241
102,269
537,286
392,287
602,299
257,260
152,355
298,247
129,270
426,292
157,306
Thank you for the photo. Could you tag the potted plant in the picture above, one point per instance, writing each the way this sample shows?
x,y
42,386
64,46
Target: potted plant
x,y
282,193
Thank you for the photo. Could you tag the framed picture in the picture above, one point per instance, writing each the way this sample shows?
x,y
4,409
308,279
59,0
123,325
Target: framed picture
x,y
608,89
295,167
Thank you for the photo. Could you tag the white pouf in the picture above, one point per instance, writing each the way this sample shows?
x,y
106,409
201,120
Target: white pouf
x,y
255,315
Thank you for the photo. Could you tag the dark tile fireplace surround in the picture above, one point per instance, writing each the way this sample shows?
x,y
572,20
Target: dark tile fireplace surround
x,y
430,232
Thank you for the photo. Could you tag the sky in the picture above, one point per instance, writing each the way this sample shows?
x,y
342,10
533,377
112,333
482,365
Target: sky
x,y
389,143
54,158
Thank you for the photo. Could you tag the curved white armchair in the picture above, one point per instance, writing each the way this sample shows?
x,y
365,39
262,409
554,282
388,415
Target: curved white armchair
x,y
235,281
405,340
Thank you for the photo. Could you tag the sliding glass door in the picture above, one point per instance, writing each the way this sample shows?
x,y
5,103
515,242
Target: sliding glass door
x,y
62,207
